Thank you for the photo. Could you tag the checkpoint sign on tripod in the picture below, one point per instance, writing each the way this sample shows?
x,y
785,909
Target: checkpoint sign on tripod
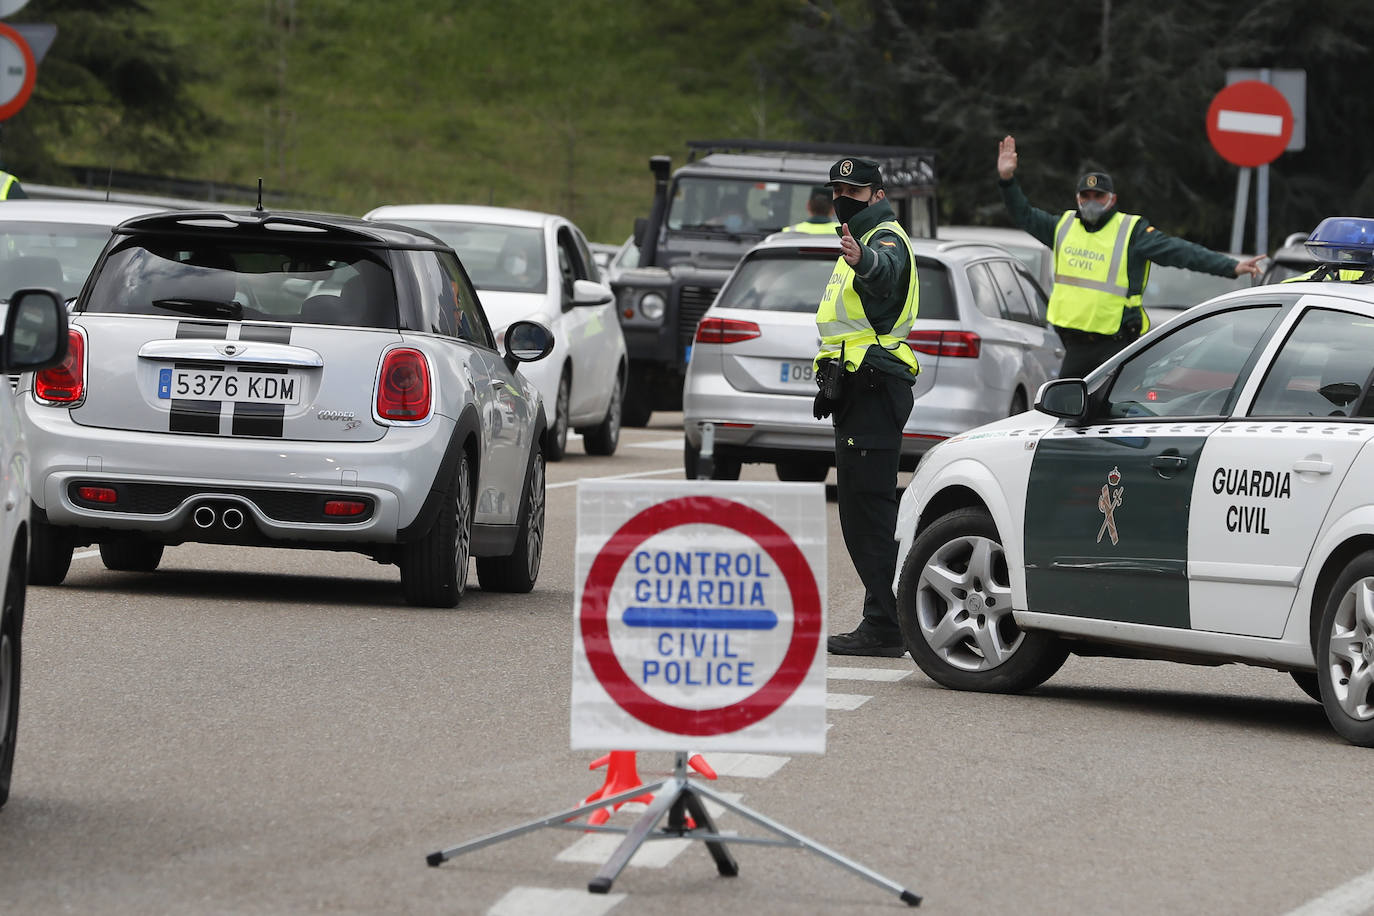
x,y
697,624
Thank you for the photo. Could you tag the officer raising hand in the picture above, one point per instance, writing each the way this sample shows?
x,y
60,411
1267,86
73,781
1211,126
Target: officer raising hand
x,y
866,371
1101,264
849,248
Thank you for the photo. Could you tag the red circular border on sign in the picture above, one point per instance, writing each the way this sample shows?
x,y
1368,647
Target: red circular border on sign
x,y
806,616
11,108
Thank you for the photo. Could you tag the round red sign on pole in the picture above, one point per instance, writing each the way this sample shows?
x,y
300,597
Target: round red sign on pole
x,y
1249,123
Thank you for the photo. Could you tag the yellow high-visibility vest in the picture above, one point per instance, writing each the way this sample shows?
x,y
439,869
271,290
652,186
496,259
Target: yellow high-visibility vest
x,y
811,228
1090,283
1344,273
7,181
841,320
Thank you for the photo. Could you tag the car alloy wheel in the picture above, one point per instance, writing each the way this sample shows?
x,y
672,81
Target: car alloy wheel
x,y
1345,652
520,570
558,433
955,610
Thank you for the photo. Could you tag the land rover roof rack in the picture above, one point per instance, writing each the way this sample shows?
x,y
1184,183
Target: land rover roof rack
x,y
903,166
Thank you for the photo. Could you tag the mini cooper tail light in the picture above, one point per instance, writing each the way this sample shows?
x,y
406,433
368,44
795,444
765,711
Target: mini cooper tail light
x,y
726,331
403,392
344,507
65,382
946,343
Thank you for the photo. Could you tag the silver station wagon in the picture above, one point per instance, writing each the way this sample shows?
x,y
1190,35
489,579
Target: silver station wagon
x,y
290,380
980,336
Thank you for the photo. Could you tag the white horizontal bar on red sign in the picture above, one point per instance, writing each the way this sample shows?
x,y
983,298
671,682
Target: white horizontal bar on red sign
x,y
1248,122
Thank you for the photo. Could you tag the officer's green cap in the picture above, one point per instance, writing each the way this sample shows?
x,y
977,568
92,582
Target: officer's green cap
x,y
858,172
1096,181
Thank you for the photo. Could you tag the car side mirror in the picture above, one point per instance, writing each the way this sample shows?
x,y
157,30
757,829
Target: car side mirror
x,y
527,342
1063,397
35,331
589,292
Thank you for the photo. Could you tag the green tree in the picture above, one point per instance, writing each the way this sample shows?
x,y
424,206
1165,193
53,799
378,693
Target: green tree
x,y
1107,84
112,82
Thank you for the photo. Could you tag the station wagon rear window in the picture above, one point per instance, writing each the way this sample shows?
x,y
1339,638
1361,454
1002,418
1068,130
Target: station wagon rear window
x,y
788,280
261,280
53,255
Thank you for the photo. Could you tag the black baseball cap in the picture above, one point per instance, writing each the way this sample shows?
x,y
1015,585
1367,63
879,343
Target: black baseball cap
x,y
1096,181
861,173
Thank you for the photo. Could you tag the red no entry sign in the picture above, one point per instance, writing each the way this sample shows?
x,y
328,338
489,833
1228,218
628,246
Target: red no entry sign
x,y
1249,123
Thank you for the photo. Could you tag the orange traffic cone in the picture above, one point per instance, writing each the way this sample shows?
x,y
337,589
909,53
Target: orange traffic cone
x,y
622,775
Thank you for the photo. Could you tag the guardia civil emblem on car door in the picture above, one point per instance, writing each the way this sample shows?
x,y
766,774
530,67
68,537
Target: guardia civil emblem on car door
x,y
1107,501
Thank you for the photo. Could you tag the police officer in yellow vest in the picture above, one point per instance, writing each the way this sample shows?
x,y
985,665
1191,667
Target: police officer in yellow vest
x,y
821,215
10,188
867,370
1101,264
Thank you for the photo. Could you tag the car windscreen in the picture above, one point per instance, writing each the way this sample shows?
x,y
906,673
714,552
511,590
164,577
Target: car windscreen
x,y
271,280
728,205
502,258
55,256
792,280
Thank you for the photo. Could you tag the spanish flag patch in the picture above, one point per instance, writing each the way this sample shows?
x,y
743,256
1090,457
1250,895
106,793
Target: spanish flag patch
x,y
889,244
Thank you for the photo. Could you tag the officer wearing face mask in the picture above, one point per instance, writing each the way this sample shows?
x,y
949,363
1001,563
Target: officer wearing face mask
x,y
866,371
1101,264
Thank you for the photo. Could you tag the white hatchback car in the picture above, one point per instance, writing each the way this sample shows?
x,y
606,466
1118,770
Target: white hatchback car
x,y
35,336
1204,496
537,266
53,244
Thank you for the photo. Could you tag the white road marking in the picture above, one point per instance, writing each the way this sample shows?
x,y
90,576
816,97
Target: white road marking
x,y
658,473
535,901
596,848
845,700
665,444
867,674
85,554
1249,122
1350,899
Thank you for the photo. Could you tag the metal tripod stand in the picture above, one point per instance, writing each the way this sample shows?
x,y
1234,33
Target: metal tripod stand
x,y
681,797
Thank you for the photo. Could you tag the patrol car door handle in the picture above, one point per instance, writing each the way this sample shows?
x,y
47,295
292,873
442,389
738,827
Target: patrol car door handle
x,y
1168,464
1308,466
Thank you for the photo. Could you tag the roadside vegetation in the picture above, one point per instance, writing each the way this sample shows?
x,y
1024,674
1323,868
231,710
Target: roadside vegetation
x,y
557,104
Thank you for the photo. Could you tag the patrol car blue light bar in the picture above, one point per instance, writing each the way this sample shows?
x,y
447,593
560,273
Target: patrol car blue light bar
x,y
1347,240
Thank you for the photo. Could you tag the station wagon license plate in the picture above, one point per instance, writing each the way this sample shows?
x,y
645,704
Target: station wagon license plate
x,y
796,373
240,387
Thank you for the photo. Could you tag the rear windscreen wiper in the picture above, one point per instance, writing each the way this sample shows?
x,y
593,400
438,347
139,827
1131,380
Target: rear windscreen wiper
x,y
207,307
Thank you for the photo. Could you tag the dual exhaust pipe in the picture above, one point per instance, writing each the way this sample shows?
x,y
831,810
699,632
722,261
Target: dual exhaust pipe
x,y
207,517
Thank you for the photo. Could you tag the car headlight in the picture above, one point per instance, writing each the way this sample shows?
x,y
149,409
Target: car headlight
x,y
652,306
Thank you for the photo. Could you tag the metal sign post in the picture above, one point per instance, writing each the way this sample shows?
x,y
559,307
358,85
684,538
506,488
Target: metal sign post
x,y
699,615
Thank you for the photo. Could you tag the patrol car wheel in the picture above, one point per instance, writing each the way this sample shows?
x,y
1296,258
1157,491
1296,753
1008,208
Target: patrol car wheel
x,y
518,572
11,631
1345,652
557,435
954,608
434,568
1309,683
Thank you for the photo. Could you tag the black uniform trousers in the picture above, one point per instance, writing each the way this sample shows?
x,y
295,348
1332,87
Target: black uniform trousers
x,y
868,448
1085,351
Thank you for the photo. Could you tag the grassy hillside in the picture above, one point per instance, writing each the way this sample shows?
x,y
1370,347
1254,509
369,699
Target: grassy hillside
x,y
546,104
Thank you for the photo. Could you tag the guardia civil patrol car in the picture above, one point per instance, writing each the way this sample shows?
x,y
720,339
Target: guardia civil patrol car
x,y
1206,496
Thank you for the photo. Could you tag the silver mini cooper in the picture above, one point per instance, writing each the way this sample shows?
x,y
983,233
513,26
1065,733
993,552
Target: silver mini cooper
x,y
288,380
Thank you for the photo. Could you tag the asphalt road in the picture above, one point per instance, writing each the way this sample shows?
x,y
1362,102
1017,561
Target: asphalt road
x,y
252,731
